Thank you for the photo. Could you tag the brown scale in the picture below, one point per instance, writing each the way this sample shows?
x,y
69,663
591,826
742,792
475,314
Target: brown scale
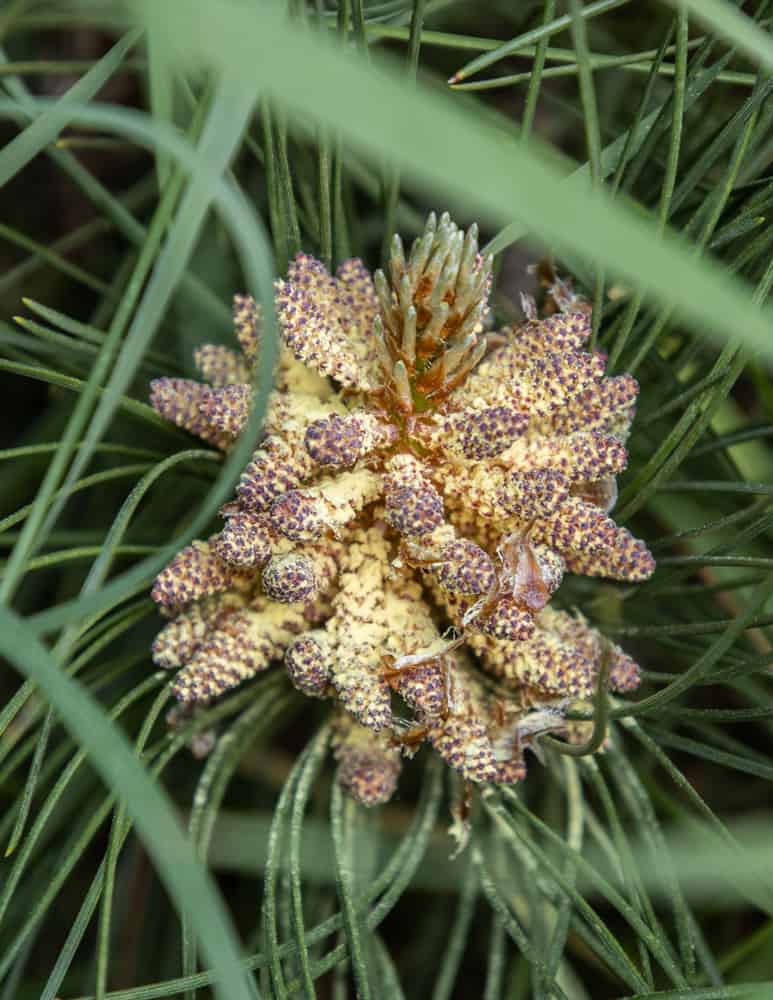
x,y
416,735
436,384
461,374
530,588
464,806
411,738
385,404
505,705
522,579
559,293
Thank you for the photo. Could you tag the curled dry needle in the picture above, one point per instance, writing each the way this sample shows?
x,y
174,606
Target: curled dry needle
x,y
415,475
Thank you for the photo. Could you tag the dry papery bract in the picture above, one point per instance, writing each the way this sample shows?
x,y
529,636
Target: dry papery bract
x,y
419,490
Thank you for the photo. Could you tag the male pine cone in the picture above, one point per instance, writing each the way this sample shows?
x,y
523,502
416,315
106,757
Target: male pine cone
x,y
416,478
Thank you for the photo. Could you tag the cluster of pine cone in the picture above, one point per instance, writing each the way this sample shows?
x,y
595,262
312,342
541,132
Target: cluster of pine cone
x,y
418,492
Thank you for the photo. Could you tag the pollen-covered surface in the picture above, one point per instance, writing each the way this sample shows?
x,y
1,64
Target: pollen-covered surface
x,y
465,568
246,538
326,321
309,663
182,401
241,645
417,494
326,507
339,441
368,763
290,578
477,735
358,629
196,571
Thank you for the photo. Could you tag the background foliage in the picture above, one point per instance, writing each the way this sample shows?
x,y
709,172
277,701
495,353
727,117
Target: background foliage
x,y
159,157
